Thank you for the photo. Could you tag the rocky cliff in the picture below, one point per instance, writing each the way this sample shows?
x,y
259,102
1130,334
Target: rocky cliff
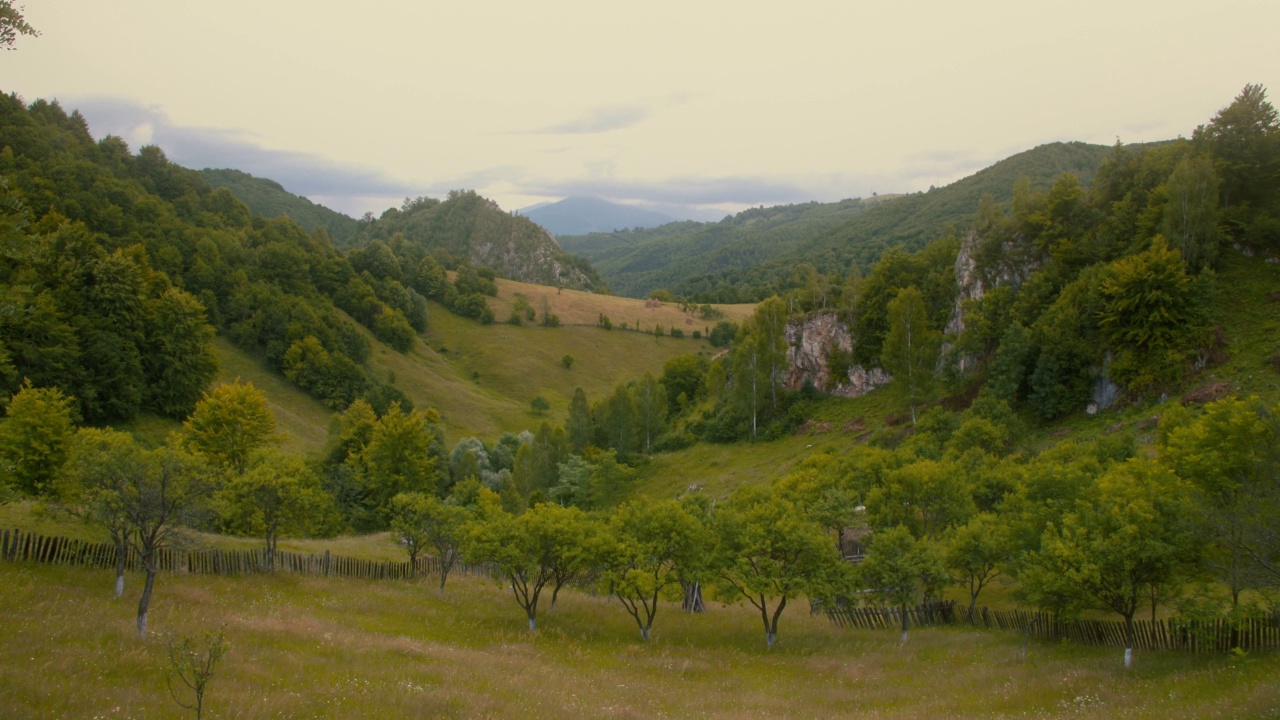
x,y
814,344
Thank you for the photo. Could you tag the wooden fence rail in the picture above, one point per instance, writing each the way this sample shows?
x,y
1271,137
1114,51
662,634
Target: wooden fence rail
x,y
1217,636
17,546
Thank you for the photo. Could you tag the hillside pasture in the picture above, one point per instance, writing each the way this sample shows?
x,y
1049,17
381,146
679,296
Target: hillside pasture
x,y
315,647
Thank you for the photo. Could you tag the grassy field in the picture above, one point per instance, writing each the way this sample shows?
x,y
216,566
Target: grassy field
x,y
309,647
575,307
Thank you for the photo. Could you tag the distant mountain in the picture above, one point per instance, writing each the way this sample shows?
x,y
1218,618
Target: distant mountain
x,y
739,258
468,226
270,200
581,215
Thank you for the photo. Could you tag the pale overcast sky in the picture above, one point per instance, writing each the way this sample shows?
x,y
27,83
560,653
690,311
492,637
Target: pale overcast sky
x,y
731,104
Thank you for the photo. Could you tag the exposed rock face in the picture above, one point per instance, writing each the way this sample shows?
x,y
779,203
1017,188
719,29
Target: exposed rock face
x,y
973,287
809,356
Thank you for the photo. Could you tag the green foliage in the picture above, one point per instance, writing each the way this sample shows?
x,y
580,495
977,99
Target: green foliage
x,y
228,424
901,570
278,495
423,521
567,361
403,454
769,552
35,437
539,405
910,347
723,334
269,199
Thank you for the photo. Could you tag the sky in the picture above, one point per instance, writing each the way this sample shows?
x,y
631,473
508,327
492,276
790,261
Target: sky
x,y
718,105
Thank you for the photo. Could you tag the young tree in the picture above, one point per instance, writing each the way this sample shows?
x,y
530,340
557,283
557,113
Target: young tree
x,y
228,424
910,347
425,521
768,552
1131,531
548,544
93,483
167,493
651,409
977,551
901,570
194,662
278,495
652,547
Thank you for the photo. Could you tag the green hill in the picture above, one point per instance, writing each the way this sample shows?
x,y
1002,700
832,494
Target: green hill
x,y
744,258
270,200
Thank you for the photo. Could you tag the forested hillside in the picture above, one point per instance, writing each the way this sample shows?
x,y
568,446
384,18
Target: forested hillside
x,y
270,200
747,257
466,228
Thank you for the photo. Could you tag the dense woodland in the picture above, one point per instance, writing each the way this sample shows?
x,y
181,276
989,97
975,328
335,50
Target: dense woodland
x,y
119,268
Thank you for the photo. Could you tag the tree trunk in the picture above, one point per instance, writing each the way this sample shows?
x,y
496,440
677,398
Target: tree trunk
x,y
1128,641
122,557
145,602
644,634
769,639
692,597
906,623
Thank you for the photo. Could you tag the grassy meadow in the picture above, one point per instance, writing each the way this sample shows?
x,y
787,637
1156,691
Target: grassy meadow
x,y
314,647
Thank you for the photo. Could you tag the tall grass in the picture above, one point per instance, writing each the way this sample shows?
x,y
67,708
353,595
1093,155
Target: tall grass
x,y
311,647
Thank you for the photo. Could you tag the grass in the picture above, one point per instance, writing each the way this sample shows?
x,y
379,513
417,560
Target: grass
x,y
310,647
575,307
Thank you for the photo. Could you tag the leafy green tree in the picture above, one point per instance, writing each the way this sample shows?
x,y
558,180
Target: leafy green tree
x,y
768,552
684,375
1131,531
228,424
278,495
977,551
651,409
168,492
567,361
910,347
35,437
13,24
424,521
179,361
1231,457
1190,218
539,405
1009,370
927,497
546,545
901,570
579,426
91,487
1242,138
723,334
1152,313
400,457
652,547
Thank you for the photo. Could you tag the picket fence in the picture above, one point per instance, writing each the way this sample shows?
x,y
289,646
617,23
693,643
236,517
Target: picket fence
x,y
1196,636
17,546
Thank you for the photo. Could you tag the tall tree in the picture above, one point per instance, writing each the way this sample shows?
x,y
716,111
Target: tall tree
x,y
652,547
579,425
1190,218
1242,138
911,347
228,424
35,437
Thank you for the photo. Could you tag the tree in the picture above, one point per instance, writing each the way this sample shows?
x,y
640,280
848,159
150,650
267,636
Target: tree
x,y
1131,531
768,552
1190,218
399,457
651,409
652,547
99,468
1231,457
579,426
166,493
194,662
180,361
547,544
424,521
901,570
278,495
35,436
13,24
976,553
567,361
1242,138
539,405
228,424
927,497
910,347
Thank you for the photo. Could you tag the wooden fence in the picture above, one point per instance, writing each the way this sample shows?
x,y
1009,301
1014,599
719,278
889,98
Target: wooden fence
x,y
1218,636
17,546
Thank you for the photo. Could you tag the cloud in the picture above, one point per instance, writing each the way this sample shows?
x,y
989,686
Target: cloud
x,y
681,191
306,174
